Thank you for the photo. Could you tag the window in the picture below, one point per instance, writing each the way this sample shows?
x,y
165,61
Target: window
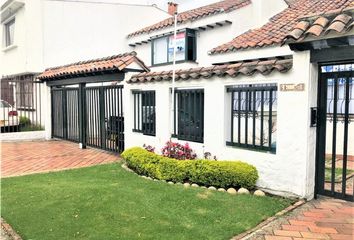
x,y
253,116
24,92
338,86
189,115
144,112
162,48
9,33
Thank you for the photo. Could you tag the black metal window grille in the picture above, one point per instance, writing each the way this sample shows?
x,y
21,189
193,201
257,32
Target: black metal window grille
x,y
337,87
189,115
144,112
24,92
253,116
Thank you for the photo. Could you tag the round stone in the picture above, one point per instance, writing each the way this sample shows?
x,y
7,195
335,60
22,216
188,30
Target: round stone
x,y
212,188
243,191
203,187
232,191
149,178
156,180
179,183
221,190
195,185
186,184
171,182
259,193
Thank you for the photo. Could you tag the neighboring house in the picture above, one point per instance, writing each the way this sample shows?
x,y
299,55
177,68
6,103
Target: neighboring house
x,y
37,34
263,97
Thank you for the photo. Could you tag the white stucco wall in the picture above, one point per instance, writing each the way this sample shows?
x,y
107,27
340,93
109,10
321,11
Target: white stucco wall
x,y
288,172
21,136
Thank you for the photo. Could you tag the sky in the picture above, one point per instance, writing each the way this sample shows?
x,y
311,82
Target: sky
x,y
183,5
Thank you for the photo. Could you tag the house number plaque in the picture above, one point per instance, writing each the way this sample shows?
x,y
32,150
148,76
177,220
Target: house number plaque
x,y
291,87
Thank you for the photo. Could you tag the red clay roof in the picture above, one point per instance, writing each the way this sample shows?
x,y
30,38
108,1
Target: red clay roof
x,y
102,65
232,70
273,32
318,26
194,14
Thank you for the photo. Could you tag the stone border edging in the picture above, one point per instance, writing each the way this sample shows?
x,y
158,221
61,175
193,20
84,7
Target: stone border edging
x,y
231,190
250,232
9,230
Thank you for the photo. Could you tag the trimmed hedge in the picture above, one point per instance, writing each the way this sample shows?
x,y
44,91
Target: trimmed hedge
x,y
203,172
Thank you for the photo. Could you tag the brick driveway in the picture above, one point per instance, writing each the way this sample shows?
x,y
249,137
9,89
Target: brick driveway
x,y
323,218
21,158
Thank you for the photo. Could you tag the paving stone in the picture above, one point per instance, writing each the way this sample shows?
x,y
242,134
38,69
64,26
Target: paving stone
x,y
311,220
47,156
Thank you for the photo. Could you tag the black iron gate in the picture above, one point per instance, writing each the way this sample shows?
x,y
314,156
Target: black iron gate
x,y
65,113
92,116
104,118
335,132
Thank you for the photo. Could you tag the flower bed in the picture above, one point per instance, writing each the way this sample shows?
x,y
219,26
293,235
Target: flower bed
x,y
222,174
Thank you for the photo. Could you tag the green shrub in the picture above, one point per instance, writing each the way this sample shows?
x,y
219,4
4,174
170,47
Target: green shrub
x,y
203,172
24,120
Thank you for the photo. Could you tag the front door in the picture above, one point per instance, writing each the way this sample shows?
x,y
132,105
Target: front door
x,y
335,136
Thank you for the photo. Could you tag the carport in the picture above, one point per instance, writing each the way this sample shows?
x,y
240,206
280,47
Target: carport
x,y
87,100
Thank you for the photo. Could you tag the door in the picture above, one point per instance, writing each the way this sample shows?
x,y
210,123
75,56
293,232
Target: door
x,y
335,132
102,116
65,111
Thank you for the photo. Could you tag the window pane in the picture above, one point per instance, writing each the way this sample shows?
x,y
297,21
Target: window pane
x,y
180,47
160,51
9,32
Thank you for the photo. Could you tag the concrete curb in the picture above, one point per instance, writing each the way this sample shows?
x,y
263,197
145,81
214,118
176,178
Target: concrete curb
x,y
9,230
249,233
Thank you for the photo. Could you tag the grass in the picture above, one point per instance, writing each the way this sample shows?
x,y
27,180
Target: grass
x,y
27,128
338,174
107,202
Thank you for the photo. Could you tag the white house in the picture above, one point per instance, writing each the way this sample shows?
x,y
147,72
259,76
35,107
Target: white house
x,y
261,62
252,83
37,34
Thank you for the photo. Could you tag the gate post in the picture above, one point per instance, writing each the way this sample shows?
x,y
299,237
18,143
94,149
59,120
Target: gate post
x,y
82,116
102,119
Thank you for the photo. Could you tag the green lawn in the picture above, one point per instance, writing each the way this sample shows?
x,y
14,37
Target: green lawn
x,y
107,202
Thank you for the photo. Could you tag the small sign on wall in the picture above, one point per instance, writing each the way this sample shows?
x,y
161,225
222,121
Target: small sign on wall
x,y
292,87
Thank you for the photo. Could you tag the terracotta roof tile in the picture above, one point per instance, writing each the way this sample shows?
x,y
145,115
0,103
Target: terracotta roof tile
x,y
114,63
338,21
233,70
194,14
280,25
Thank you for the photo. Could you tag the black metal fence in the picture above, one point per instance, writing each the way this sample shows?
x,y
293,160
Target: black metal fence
x,y
189,115
144,112
101,110
21,104
335,144
253,116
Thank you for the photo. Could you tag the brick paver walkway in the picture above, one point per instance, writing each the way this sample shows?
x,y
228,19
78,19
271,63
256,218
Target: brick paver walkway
x,y
21,158
324,218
